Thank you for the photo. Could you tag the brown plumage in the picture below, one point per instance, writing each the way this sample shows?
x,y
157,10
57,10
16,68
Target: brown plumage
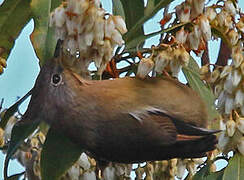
x,y
123,120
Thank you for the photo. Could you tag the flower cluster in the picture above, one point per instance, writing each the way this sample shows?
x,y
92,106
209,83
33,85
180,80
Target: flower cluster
x,y
168,169
196,37
88,30
170,57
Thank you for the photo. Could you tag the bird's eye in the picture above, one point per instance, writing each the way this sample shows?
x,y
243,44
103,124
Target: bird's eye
x,y
56,79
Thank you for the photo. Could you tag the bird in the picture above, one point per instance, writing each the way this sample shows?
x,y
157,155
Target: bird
x,y
124,120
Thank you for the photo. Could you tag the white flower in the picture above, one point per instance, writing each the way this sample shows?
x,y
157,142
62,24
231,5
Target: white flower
x,y
181,169
222,125
240,124
226,71
239,98
88,37
228,85
109,27
99,31
237,57
229,7
84,162
223,141
88,176
197,7
214,75
117,37
224,19
181,35
205,28
57,18
240,25
236,78
74,172
145,66
242,110
161,61
194,37
217,89
109,173
71,45
233,37
240,146
221,101
183,12
120,24
230,127
175,67
229,104
210,13
181,55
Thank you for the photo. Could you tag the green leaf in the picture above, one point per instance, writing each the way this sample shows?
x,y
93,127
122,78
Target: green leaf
x,y
137,25
14,15
20,132
118,8
134,11
15,176
13,109
43,36
193,78
58,155
235,168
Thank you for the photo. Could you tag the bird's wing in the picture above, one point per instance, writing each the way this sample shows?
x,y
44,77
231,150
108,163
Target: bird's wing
x,y
169,127
154,127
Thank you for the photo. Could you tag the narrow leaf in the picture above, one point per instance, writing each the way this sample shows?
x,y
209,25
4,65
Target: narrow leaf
x,y
43,38
235,168
118,8
13,109
14,15
19,133
138,24
134,11
58,155
193,78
